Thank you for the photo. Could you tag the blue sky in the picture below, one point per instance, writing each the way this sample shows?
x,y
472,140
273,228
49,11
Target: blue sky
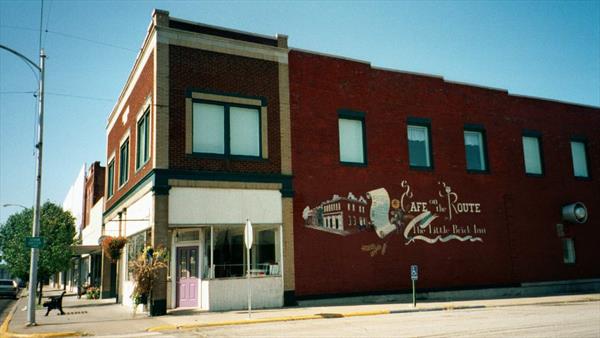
x,y
545,49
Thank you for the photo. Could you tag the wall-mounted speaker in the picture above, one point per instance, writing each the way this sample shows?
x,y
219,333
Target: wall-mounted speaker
x,y
575,213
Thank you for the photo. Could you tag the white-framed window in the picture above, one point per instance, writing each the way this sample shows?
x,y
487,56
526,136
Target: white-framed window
x,y
579,157
568,251
419,147
226,129
124,162
352,138
143,137
532,156
110,178
475,150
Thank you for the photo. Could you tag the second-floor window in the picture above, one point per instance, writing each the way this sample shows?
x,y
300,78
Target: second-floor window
x,y
124,163
226,129
110,179
419,145
142,146
475,150
532,155
352,137
579,156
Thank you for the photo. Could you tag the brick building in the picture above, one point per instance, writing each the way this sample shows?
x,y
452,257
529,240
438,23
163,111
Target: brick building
x,y
464,181
198,143
467,182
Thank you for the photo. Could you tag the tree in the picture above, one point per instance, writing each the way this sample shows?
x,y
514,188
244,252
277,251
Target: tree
x,y
57,227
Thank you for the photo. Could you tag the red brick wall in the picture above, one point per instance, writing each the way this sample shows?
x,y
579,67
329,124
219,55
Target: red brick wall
x,y
135,102
229,74
518,212
94,189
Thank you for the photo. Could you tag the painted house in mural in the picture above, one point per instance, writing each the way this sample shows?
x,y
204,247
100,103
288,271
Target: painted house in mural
x,y
198,143
467,182
339,215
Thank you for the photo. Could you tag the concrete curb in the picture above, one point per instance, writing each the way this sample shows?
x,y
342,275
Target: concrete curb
x,y
350,314
5,326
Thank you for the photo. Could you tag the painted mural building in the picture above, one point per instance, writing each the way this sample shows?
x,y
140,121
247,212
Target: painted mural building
x,y
374,169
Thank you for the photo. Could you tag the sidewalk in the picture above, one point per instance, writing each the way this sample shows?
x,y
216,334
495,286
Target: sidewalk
x,y
104,317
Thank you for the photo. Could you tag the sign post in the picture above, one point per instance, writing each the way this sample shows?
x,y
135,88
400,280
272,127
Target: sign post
x,y
414,275
248,238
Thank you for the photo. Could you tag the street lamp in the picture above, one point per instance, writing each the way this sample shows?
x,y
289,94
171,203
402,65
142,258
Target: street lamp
x,y
38,182
13,205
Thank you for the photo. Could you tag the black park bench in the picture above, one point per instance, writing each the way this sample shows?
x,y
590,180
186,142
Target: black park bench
x,y
55,302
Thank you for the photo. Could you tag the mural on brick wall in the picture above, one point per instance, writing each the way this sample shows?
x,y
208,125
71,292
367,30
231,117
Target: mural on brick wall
x,y
431,221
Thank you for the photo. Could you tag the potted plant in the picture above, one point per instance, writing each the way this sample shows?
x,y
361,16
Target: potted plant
x,y
145,270
93,292
112,246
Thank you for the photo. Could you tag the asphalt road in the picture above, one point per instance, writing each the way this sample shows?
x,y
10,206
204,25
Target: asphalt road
x,y
6,305
560,320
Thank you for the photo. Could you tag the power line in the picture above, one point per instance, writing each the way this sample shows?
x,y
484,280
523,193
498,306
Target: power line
x,y
91,41
59,94
81,97
47,22
71,36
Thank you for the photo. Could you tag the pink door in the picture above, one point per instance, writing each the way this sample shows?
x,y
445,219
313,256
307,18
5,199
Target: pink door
x,y
187,276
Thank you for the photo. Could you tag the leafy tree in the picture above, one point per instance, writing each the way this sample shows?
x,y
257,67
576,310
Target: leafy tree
x,y
57,227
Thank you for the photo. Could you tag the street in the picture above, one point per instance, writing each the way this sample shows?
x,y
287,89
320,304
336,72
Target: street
x,y
5,306
555,320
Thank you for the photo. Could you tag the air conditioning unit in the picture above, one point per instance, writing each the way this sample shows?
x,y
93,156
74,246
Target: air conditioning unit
x,y
575,213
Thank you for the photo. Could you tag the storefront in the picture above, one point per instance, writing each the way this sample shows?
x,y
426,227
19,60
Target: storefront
x,y
208,261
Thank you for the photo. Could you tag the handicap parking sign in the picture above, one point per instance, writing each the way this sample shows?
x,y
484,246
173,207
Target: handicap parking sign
x,y
414,272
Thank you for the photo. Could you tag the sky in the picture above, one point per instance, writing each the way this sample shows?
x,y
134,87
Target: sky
x,y
542,49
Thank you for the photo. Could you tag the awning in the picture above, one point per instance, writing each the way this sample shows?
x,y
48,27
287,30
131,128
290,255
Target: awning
x,y
86,249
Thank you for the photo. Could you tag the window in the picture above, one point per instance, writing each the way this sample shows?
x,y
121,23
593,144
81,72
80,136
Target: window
x,y
532,155
352,137
124,163
135,247
568,251
226,129
419,144
110,178
475,150
142,147
229,253
579,156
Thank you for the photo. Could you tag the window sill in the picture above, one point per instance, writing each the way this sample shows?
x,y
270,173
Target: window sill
x,y
354,164
141,166
228,157
582,178
123,185
534,175
474,171
420,168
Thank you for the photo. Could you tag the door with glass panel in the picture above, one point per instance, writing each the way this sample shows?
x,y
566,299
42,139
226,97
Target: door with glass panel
x,y
187,276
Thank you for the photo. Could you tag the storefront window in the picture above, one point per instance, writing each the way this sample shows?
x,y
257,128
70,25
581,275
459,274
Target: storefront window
x,y
135,247
229,252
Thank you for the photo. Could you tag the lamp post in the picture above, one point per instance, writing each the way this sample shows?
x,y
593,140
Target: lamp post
x,y
13,205
38,182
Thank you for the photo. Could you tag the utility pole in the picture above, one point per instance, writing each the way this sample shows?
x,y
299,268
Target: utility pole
x,y
35,252
33,269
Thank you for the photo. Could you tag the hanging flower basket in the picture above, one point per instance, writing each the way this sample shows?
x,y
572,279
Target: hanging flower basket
x,y
112,247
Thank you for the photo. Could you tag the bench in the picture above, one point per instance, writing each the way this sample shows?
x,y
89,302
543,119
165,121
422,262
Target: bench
x,y
55,302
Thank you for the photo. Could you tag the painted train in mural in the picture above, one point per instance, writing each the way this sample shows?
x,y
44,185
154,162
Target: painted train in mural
x,y
430,221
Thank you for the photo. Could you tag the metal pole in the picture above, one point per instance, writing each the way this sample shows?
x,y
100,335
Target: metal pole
x,y
38,190
249,291
414,298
